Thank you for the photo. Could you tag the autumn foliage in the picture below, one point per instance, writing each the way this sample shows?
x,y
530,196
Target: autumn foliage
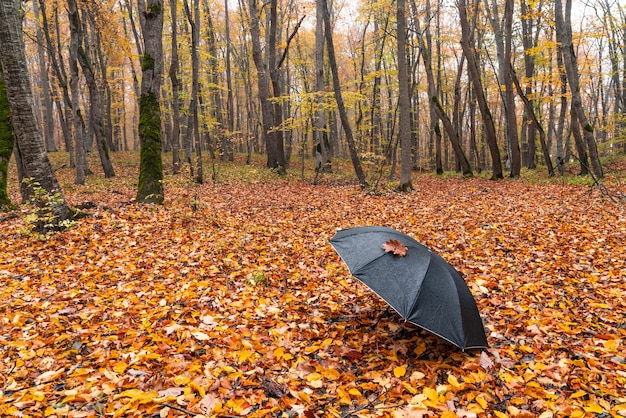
x,y
229,301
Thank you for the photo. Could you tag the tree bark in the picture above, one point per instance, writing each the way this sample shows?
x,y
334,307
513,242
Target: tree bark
x,y
79,134
343,115
173,74
193,130
511,115
435,104
564,37
44,85
7,141
474,74
404,101
28,135
322,154
95,109
150,185
273,141
61,77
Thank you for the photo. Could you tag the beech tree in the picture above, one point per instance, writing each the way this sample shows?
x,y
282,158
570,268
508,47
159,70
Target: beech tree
x,y
6,143
564,37
270,113
150,185
469,51
343,115
404,101
23,117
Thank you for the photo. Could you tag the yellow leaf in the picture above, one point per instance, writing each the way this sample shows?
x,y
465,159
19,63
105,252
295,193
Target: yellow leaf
x,y
431,394
419,350
448,414
181,380
409,388
399,371
121,367
594,407
577,413
278,353
331,374
245,355
500,414
313,376
453,381
578,394
481,401
354,392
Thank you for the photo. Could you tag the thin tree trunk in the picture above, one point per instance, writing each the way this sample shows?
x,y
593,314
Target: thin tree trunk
x,y
44,83
564,36
230,123
79,135
194,124
343,115
474,73
404,102
61,77
511,115
435,104
322,155
95,110
530,111
173,73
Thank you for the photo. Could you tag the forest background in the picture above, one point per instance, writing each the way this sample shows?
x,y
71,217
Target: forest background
x,y
225,299
468,87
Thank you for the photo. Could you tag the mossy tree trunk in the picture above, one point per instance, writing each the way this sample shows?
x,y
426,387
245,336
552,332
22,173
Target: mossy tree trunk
x,y
7,140
150,186
20,97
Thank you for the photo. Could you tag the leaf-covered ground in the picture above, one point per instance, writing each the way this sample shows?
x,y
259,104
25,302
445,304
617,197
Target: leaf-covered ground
x,y
229,301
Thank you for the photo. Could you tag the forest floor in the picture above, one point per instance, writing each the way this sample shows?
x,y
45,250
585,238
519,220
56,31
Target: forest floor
x,y
229,301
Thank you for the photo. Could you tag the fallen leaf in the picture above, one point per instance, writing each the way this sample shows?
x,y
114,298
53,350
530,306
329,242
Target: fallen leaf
x,y
395,247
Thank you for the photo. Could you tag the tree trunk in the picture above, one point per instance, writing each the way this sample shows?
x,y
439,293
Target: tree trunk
x,y
435,104
404,102
7,140
44,86
343,115
230,106
564,37
322,155
173,73
30,142
193,130
79,135
61,77
511,115
95,110
474,74
150,185
273,141
531,112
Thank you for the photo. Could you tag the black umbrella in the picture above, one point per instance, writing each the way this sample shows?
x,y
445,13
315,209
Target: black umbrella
x,y
420,285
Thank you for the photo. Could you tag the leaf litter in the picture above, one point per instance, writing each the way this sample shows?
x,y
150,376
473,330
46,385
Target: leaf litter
x,y
236,305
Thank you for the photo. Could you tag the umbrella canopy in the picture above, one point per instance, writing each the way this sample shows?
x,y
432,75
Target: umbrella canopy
x,y
420,285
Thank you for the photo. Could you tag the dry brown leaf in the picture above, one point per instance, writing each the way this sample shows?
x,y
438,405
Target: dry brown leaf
x,y
395,247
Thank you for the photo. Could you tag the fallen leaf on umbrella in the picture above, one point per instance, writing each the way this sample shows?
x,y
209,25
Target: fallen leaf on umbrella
x,y
395,247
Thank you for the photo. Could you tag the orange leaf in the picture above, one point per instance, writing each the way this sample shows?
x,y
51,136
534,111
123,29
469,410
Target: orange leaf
x,y
396,247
